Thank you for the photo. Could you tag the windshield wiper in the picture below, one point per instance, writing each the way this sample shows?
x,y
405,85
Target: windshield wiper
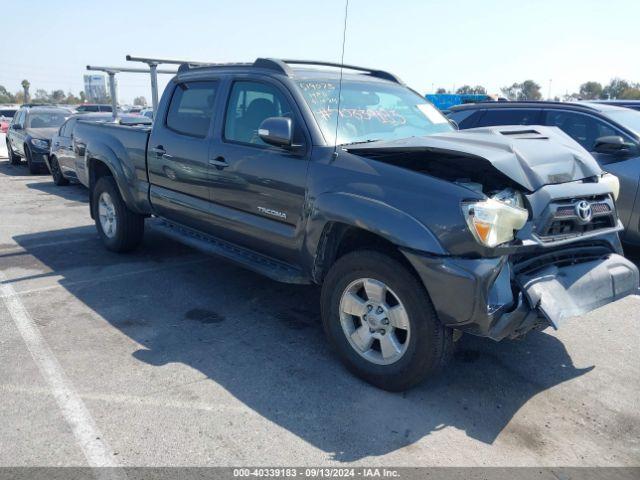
x,y
361,141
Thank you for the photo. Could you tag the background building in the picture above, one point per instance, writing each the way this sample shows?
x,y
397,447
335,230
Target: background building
x,y
95,88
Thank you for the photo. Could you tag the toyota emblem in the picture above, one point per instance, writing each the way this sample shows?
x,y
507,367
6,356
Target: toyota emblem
x,y
583,211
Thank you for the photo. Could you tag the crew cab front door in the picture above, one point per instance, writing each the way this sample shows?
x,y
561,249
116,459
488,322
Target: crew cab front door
x,y
178,154
258,190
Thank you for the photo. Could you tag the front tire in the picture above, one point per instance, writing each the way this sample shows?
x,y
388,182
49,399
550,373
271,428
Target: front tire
x,y
33,169
379,318
56,173
120,229
13,158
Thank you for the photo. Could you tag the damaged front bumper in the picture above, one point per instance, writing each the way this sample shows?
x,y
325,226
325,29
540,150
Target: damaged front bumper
x,y
506,297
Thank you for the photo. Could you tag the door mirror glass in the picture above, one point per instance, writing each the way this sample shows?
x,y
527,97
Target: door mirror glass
x,y
610,144
16,126
277,131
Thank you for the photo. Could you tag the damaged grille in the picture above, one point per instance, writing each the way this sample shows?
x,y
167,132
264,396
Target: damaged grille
x,y
583,252
576,217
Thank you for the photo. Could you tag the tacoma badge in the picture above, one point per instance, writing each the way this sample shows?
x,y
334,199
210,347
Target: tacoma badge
x,y
273,213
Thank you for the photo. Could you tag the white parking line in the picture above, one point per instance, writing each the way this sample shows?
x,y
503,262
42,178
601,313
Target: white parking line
x,y
136,401
95,450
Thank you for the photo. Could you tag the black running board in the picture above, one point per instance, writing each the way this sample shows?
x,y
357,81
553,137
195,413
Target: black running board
x,y
244,257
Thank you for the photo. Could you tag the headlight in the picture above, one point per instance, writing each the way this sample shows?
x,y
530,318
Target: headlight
x,y
43,144
493,222
613,183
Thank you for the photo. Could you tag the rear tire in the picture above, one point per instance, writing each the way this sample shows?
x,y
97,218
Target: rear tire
x,y
13,158
120,229
33,169
421,348
56,173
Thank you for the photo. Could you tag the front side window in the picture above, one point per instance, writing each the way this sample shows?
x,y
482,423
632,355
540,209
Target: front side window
x,y
370,110
250,103
584,129
191,108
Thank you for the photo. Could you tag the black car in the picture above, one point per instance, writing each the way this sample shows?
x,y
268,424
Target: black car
x,y
610,133
30,132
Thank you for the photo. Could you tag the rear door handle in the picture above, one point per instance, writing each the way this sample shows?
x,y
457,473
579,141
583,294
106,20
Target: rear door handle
x,y
219,162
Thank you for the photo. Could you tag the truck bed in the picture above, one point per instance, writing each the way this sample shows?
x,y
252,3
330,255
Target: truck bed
x,y
129,144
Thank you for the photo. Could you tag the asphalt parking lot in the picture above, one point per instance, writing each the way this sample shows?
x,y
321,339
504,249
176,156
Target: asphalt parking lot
x,y
169,357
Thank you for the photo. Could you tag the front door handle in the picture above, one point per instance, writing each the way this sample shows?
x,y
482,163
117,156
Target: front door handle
x,y
219,162
159,151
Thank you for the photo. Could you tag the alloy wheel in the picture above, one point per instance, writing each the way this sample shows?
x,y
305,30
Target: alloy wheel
x,y
375,321
107,215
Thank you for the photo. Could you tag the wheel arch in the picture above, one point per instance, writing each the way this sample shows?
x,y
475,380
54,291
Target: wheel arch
x,y
362,223
103,161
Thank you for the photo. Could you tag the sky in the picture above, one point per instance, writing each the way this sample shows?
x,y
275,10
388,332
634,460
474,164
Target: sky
x,y
428,43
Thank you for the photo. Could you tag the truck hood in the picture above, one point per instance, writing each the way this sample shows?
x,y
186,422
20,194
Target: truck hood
x,y
42,133
531,156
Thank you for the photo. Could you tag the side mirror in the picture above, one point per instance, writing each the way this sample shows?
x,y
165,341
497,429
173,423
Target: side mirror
x,y
16,126
277,131
610,144
453,123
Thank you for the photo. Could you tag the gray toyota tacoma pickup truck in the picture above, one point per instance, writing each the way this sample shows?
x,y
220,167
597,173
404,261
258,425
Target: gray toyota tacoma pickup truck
x,y
415,231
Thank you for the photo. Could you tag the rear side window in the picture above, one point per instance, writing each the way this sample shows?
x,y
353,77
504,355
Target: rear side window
x,y
191,108
67,128
509,116
18,119
465,118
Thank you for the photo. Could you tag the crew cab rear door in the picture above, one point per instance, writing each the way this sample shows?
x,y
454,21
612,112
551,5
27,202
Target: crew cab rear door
x,y
258,190
178,153
62,147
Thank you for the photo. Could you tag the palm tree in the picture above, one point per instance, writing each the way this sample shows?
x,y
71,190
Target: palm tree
x,y
25,86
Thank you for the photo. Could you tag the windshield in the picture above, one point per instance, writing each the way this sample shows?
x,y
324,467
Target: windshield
x,y
46,119
627,118
370,111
